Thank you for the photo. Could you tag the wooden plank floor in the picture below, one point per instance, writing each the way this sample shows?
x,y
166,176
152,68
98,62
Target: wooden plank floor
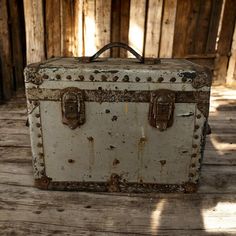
x,y
25,210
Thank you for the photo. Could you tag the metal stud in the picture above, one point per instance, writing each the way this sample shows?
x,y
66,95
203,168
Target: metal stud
x,y
194,155
81,77
199,116
37,115
160,79
104,78
58,77
39,145
68,77
137,79
173,79
196,136
45,76
115,78
91,77
184,80
38,125
126,78
149,79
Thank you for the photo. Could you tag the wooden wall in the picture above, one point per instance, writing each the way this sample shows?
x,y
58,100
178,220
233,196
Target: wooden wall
x,y
12,47
199,30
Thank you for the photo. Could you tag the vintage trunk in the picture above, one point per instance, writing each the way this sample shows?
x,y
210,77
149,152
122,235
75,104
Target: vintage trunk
x,y
121,125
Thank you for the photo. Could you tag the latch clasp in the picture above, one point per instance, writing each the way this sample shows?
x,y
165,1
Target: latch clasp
x,y
73,107
161,109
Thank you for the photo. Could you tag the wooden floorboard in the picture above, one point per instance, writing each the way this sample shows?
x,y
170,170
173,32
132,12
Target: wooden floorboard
x,y
25,210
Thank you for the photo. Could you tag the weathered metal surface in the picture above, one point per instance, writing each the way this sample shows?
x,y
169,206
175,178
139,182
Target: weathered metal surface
x,y
104,95
115,185
117,149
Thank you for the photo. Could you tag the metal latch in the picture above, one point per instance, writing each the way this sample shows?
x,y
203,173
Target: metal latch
x,y
161,109
73,107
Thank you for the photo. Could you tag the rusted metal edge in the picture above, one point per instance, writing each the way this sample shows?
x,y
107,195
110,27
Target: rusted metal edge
x,y
104,95
46,183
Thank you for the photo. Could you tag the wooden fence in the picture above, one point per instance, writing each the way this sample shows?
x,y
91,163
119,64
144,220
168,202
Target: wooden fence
x,y
199,30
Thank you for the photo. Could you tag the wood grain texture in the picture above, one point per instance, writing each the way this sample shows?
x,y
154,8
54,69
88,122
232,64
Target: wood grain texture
x,y
5,52
17,42
153,31
53,28
168,28
124,25
34,27
89,27
136,25
231,70
67,24
78,28
103,27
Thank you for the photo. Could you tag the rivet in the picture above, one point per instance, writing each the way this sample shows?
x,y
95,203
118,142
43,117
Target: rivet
x,y
196,127
37,115
40,155
45,76
191,175
194,155
58,77
184,79
81,77
196,136
104,78
115,78
39,135
194,145
41,164
126,78
36,103
68,77
91,77
107,111
71,161
137,79
160,79
149,79
193,165
173,79
38,125
39,145
199,116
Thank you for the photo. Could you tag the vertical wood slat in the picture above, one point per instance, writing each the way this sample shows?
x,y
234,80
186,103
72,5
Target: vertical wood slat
x,y
34,27
102,24
124,25
67,22
231,72
225,40
78,28
214,25
153,30
136,25
115,25
168,28
53,28
89,27
5,52
186,23
202,27
16,43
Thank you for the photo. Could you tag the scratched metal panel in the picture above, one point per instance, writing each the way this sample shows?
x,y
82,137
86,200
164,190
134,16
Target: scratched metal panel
x,y
117,138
